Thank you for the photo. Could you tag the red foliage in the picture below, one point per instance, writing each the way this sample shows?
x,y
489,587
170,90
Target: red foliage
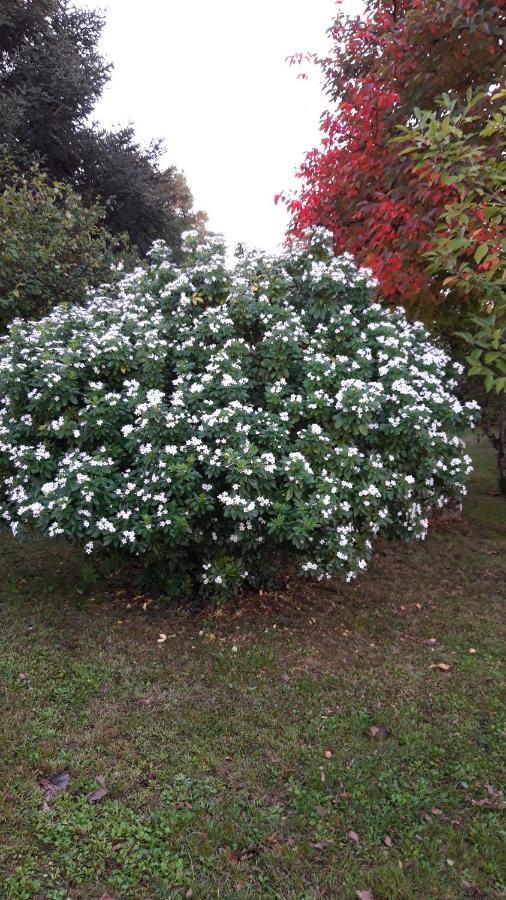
x,y
401,55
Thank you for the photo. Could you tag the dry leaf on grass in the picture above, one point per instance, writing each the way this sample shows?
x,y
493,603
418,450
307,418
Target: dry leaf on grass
x,y
321,845
353,836
443,667
53,785
100,792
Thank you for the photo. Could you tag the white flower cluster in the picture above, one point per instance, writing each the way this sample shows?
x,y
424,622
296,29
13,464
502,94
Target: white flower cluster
x,y
212,417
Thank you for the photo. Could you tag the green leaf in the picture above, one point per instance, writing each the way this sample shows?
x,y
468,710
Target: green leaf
x,y
492,211
481,253
454,244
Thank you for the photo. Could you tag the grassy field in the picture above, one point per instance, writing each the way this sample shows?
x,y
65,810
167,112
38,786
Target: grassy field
x,y
299,744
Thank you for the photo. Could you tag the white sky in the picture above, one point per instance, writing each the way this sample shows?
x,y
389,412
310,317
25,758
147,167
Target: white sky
x,y
210,78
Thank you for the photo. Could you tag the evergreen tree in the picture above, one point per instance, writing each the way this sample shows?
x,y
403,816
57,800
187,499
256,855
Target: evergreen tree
x,y
51,76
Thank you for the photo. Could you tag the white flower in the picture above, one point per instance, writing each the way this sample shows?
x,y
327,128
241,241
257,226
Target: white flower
x,y
105,525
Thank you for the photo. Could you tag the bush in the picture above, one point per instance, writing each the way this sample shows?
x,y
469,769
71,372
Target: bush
x,y
52,246
215,420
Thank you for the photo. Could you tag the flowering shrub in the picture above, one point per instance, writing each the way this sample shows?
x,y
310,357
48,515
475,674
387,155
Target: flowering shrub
x,y
211,418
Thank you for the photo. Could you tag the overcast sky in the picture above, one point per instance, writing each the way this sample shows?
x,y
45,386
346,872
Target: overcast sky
x,y
210,77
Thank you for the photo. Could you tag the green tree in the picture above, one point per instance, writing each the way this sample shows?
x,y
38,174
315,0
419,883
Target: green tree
x,y
463,151
51,76
52,246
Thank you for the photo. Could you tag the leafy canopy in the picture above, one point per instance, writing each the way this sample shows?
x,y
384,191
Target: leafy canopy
x,y
51,77
398,56
52,246
467,155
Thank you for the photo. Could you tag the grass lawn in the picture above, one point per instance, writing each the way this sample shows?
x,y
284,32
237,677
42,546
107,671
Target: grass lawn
x,y
299,744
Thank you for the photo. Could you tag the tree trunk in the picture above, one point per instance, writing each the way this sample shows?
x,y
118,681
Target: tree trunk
x,y
497,437
501,453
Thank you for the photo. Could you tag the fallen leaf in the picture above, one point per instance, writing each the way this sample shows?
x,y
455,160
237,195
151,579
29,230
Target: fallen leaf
x,y
100,792
492,801
472,650
60,781
485,802
436,812
245,853
161,639
388,841
374,730
353,836
320,845
364,895
443,667
52,786
189,893
328,754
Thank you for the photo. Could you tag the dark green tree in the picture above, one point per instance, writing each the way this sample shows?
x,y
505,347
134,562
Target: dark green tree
x,y
51,76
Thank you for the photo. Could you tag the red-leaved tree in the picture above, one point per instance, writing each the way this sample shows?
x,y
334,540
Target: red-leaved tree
x,y
400,55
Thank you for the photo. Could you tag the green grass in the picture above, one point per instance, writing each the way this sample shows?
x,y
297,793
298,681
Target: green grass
x,y
238,754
